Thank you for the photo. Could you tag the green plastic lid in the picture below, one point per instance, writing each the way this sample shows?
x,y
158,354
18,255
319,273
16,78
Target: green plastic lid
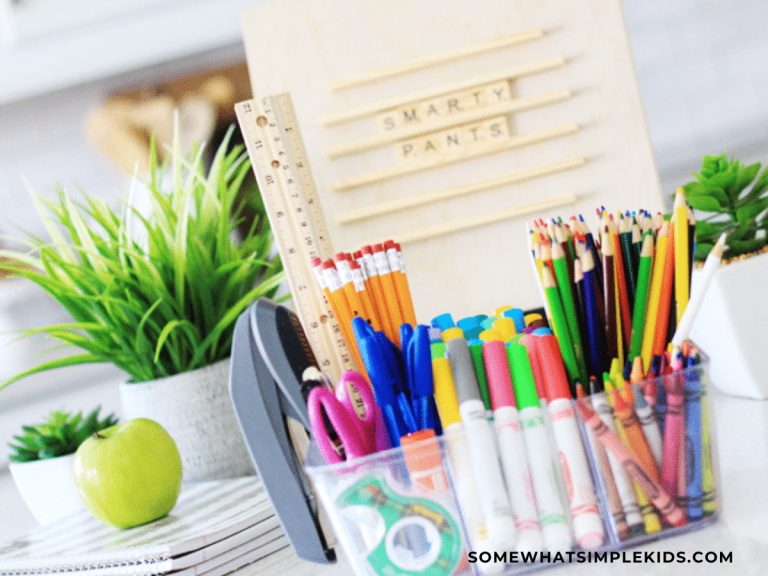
x,y
437,349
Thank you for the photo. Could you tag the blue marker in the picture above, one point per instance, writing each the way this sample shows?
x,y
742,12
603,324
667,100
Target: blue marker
x,y
444,321
518,316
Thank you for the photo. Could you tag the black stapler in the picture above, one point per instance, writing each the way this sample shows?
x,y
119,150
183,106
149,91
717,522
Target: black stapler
x,y
270,354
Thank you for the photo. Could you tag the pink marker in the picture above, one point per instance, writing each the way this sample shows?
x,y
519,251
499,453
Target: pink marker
x,y
587,524
512,448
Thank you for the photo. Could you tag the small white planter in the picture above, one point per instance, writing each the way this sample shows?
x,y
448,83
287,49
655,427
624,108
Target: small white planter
x,y
47,487
731,327
196,410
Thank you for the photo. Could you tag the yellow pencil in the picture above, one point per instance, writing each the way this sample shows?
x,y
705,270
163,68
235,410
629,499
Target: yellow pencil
x,y
680,214
649,331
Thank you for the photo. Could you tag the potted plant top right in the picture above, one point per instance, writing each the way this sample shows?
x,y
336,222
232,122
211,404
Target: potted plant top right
x,y
735,309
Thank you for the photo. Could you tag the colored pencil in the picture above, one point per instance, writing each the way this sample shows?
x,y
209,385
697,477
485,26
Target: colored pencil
x,y
560,263
682,284
560,326
657,275
641,297
596,333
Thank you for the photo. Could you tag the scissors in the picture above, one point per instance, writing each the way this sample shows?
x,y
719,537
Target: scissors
x,y
352,419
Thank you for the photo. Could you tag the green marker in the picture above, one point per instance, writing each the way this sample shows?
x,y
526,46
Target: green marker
x,y
554,525
476,351
522,377
641,296
566,296
560,326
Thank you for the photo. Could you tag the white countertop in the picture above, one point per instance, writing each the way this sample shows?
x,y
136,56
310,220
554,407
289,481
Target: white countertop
x,y
741,429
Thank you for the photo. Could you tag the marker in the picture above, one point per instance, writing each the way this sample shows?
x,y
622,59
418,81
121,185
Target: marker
x,y
476,351
517,315
505,326
554,525
587,524
661,499
485,459
512,448
467,492
443,321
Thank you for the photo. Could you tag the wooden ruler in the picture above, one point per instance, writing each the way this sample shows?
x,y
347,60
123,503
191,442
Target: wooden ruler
x,y
279,160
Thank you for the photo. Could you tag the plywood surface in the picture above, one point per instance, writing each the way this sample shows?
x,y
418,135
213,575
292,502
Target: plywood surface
x,y
298,46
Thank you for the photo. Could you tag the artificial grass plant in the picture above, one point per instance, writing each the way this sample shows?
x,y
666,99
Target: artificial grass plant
x,y
155,294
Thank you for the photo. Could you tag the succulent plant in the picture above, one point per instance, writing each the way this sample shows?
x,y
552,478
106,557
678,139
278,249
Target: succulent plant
x,y
59,435
721,190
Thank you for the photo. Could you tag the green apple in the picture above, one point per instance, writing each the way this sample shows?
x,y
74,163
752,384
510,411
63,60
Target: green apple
x,y
129,474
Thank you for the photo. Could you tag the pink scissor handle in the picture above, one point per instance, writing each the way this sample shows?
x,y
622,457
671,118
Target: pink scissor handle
x,y
355,393
343,421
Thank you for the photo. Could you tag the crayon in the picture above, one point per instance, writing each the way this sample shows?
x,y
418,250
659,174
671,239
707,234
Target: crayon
x,y
661,499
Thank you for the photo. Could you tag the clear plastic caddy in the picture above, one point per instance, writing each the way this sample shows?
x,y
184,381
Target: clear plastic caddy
x,y
419,510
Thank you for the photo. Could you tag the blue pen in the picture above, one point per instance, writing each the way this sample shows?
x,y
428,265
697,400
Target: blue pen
x,y
419,363
395,363
406,333
383,367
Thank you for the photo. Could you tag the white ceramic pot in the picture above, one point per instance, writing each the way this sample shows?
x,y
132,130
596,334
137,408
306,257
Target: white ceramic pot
x,y
47,487
731,327
196,410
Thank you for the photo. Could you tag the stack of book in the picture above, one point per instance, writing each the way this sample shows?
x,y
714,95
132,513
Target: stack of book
x,y
215,528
